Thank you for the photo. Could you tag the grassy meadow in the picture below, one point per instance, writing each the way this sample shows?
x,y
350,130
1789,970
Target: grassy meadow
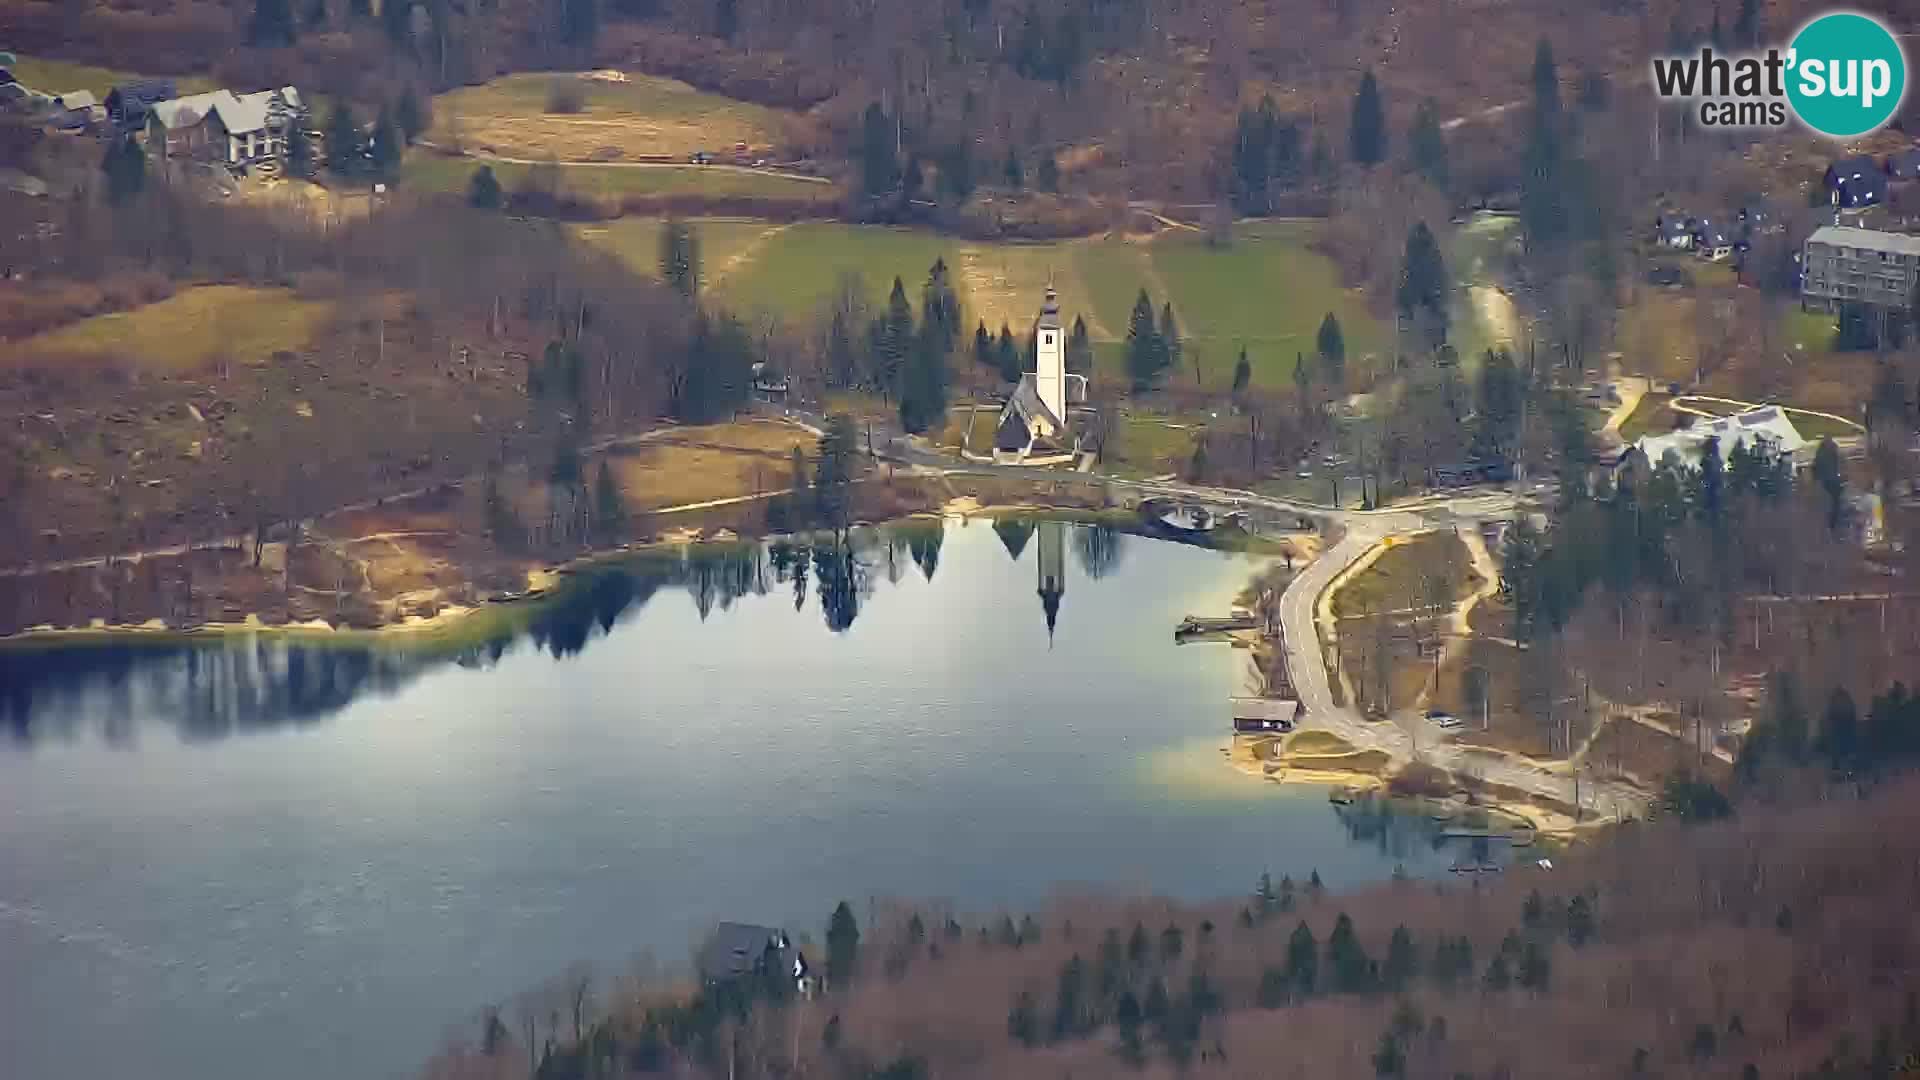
x,y
639,116
1267,292
188,329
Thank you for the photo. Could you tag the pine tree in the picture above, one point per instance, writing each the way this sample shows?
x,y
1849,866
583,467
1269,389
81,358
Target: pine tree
x,y
1832,478
1423,280
923,395
1579,920
273,24
892,340
1303,960
1331,346
125,168
940,306
385,146
983,354
726,19
1079,348
1023,1020
680,257
1170,350
316,15
483,191
1403,959
609,511
1427,145
1367,132
880,165
843,942
1007,356
1242,373
1146,353
411,116
1389,1060
343,143
1016,176
300,161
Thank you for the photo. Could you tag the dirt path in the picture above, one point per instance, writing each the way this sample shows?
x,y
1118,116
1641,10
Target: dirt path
x,y
744,256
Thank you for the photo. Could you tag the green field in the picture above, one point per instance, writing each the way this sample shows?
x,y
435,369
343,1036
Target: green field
x,y
725,243
642,115
60,76
188,329
796,273
437,172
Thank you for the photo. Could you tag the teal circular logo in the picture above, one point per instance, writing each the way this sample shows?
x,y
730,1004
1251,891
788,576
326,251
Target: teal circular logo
x,y
1846,74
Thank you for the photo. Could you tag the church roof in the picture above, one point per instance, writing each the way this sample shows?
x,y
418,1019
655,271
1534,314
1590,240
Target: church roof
x,y
1013,433
1026,401
1050,310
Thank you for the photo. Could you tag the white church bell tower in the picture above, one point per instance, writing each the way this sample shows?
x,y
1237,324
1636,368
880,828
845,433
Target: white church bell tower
x,y
1050,359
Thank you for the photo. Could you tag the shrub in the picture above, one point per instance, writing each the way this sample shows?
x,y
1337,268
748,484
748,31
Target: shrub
x,y
566,95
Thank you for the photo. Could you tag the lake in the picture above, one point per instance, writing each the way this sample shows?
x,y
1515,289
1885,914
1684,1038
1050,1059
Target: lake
x,y
269,856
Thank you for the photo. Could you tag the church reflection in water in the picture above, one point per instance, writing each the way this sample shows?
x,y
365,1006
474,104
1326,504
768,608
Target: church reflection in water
x,y
224,685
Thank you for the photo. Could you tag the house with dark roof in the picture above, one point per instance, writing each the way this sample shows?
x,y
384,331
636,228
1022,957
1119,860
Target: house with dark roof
x,y
1856,181
1904,165
1712,240
743,950
127,103
1673,231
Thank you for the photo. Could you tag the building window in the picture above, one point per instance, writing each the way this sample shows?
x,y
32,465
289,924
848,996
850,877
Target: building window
x,y
1049,339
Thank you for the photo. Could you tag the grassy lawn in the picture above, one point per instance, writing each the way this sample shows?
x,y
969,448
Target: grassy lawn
x,y
188,329
1642,752
1811,331
438,172
60,76
797,272
1004,283
984,420
644,115
725,243
732,460
1267,292
1146,445
1397,579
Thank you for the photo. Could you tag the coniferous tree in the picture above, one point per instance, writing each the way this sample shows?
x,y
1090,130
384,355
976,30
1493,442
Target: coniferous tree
x,y
1015,175
983,354
316,15
1403,959
843,944
1006,356
300,161
923,394
1079,348
1242,373
609,510
125,168
1840,730
272,24
726,19
411,115
579,22
344,149
940,306
1330,345
1423,281
1367,131
483,190
385,146
1832,478
893,340
879,156
1146,352
1303,960
680,257
1023,1020
1427,145
1170,350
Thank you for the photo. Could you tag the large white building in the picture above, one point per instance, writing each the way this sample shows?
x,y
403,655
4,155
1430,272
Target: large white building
x,y
1035,421
1766,427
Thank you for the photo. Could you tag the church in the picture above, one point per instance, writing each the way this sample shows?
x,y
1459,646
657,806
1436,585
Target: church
x,y
1035,425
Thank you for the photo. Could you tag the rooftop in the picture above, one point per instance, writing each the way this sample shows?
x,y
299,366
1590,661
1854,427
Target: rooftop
x,y
1870,239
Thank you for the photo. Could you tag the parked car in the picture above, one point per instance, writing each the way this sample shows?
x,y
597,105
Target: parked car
x,y
1441,719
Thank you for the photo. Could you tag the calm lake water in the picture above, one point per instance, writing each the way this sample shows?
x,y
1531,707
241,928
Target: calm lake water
x,y
254,858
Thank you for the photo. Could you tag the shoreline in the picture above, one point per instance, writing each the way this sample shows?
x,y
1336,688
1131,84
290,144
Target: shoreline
x,y
543,585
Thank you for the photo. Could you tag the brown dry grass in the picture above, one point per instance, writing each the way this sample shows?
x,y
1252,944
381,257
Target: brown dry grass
x,y
639,117
715,462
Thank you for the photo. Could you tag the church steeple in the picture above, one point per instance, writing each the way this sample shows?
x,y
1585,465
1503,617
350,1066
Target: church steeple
x,y
1050,358
1053,572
